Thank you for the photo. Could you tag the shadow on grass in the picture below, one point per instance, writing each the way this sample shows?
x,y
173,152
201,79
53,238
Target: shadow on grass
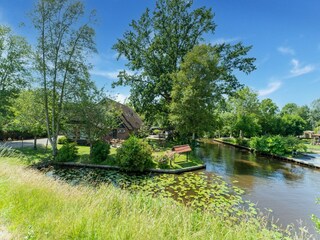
x,y
32,156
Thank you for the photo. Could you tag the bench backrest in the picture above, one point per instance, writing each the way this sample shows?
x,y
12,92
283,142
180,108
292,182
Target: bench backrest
x,y
182,148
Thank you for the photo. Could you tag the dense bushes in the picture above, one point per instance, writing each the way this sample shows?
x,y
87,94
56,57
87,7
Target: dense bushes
x,y
277,144
63,140
100,151
67,153
134,155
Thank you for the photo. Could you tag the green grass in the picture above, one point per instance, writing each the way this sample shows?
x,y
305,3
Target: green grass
x,y
313,148
180,160
33,206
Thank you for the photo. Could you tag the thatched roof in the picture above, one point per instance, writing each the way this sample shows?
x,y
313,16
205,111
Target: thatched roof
x,y
129,117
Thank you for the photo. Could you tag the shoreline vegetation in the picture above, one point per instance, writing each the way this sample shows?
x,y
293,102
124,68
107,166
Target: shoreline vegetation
x,y
34,206
285,157
177,164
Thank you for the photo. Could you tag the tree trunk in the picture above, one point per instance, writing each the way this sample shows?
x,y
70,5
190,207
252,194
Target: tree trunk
x,y
54,147
90,154
35,143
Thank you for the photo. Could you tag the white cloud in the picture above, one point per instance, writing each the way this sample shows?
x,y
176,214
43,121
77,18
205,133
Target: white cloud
x,y
272,87
286,51
224,40
298,70
113,75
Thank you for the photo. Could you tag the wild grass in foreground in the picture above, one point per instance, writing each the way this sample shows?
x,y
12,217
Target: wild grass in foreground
x,y
33,206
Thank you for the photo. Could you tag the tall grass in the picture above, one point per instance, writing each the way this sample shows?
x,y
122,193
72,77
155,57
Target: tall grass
x,y
6,151
36,207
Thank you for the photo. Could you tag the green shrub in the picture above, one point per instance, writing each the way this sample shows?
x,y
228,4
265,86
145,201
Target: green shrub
x,y
63,140
277,144
134,155
67,153
100,151
242,142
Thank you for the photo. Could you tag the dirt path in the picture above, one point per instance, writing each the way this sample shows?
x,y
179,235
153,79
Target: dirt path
x,y
25,143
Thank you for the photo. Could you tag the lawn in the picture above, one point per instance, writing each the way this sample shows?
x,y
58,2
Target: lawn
x,y
313,148
179,161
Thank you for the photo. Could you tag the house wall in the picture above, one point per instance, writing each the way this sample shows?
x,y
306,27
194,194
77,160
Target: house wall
x,y
122,134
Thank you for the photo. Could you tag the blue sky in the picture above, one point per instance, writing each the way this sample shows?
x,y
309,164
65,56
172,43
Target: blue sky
x,y
285,36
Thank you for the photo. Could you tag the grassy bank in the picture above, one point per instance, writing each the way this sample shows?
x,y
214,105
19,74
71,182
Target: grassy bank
x,y
33,206
180,160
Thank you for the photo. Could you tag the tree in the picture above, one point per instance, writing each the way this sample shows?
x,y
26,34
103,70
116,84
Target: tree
x,y
200,86
303,112
245,106
269,119
29,114
64,42
292,124
14,70
315,113
154,47
289,108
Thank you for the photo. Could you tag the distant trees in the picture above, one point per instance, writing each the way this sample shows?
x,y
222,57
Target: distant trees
x,y
29,114
315,113
65,38
245,115
14,69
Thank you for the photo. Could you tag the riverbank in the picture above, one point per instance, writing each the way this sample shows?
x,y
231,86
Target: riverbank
x,y
152,170
48,209
305,160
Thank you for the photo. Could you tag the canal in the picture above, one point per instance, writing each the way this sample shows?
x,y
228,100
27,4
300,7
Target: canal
x,y
288,189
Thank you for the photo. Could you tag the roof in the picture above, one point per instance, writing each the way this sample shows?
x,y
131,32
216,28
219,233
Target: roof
x,y
129,117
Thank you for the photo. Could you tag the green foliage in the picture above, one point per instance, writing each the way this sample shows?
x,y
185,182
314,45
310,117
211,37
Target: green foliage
x,y
154,46
293,124
14,70
268,117
100,151
65,39
204,80
316,220
29,113
63,140
134,155
277,145
67,153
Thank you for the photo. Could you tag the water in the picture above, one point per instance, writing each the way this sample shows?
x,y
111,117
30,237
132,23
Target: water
x,y
288,189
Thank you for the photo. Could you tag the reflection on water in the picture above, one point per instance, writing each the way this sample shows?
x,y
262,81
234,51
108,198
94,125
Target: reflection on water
x,y
288,189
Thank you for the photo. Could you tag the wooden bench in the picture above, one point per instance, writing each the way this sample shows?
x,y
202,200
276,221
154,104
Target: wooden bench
x,y
182,149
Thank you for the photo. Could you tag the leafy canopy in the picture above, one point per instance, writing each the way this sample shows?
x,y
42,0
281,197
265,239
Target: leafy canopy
x,y
155,46
203,82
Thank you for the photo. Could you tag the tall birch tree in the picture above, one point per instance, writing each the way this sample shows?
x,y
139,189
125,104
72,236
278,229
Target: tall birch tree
x,y
65,38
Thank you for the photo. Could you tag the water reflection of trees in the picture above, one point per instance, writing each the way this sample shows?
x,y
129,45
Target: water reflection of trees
x,y
243,163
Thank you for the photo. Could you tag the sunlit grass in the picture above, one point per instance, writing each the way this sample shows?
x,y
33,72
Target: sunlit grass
x,y
33,206
312,148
